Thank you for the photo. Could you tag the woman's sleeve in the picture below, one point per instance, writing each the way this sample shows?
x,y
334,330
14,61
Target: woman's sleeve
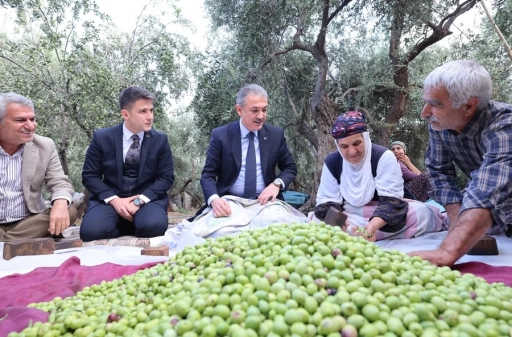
x,y
407,174
390,188
329,189
389,181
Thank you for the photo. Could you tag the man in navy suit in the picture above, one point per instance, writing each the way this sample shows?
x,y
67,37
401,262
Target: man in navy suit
x,y
128,170
225,170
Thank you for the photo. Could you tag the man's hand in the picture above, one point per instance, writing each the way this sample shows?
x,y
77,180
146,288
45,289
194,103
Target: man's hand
x,y
125,207
220,208
59,217
465,230
438,257
268,194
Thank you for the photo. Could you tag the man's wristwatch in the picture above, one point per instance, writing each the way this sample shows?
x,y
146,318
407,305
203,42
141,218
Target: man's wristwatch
x,y
138,202
277,182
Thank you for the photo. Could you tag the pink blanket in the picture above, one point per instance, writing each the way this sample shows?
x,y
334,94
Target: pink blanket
x,y
490,273
44,284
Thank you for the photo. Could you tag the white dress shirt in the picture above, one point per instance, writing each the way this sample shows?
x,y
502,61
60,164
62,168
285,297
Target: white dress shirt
x,y
12,203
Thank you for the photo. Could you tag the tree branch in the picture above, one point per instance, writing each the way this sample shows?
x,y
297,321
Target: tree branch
x,y
303,127
439,31
496,29
337,10
296,45
186,183
27,70
132,40
348,91
320,40
290,101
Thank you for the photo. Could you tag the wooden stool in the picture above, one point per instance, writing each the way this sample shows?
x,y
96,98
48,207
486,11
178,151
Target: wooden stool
x,y
43,246
155,251
485,246
68,243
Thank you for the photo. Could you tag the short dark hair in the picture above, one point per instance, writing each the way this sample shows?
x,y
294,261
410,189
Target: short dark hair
x,y
130,95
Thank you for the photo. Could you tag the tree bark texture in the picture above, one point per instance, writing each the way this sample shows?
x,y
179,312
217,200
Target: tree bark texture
x,y
324,116
64,140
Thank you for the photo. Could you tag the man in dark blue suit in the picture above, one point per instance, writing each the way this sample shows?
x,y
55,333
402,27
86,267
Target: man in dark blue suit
x,y
128,170
243,156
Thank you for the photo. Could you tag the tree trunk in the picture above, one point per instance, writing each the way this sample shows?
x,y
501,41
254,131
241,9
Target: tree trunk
x,y
383,130
64,140
324,117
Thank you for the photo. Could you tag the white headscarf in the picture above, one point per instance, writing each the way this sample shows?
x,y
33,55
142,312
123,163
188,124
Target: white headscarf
x,y
357,184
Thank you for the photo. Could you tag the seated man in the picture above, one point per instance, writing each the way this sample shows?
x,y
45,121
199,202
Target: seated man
x,y
469,130
128,170
243,156
27,161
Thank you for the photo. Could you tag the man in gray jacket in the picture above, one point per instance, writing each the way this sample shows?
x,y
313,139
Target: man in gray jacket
x,y
27,161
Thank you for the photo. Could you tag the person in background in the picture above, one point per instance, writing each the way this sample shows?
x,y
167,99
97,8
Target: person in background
x,y
469,130
27,162
364,181
416,182
128,170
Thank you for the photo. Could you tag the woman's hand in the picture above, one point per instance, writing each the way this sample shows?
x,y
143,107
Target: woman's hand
x,y
345,226
407,162
366,233
369,231
404,159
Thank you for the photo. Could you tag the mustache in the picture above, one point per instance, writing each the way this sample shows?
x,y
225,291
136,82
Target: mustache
x,y
432,119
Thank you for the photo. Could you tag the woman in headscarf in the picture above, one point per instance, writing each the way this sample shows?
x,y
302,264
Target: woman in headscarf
x,y
364,181
416,182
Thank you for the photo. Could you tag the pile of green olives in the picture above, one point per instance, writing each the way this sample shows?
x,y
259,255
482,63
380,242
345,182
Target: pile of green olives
x,y
285,280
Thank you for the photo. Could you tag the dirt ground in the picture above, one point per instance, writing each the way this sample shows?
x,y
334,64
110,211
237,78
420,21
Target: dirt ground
x,y
176,217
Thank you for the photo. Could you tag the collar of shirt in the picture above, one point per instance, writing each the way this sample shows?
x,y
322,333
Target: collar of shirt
x,y
476,124
127,134
244,131
17,153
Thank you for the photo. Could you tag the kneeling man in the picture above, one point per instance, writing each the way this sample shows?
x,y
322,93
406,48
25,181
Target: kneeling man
x,y
469,130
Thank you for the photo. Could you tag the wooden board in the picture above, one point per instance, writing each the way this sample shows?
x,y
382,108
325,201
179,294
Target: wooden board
x,y
156,251
43,246
68,243
485,246
335,217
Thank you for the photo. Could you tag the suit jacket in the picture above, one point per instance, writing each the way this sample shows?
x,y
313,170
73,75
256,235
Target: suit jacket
x,y
103,166
224,158
41,164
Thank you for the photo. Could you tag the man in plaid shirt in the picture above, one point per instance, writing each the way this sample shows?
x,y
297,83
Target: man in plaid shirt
x,y
469,130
